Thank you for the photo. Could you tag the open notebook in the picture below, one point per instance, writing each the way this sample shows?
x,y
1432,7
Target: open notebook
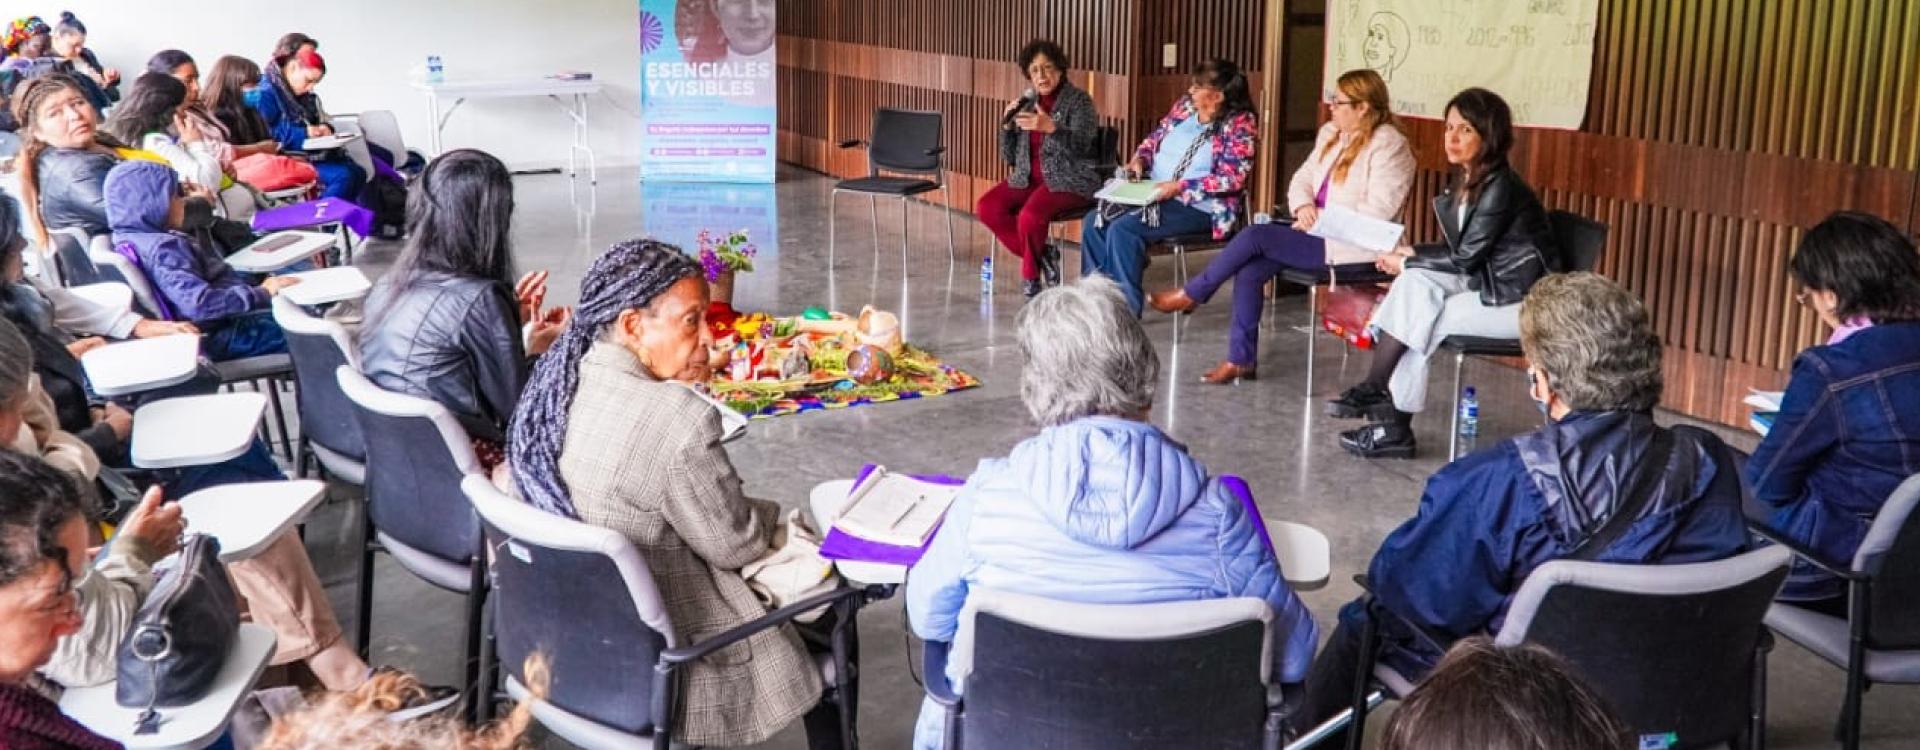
x,y
902,543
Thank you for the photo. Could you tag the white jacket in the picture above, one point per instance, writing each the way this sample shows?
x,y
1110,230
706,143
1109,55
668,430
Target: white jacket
x,y
1376,183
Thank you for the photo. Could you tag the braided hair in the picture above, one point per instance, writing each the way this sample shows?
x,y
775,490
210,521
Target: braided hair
x,y
631,275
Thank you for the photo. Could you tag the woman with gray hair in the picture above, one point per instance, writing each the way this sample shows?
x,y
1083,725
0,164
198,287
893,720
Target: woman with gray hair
x,y
1600,481
1101,506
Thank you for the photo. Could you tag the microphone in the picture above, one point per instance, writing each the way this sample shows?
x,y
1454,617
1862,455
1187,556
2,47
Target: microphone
x,y
1026,100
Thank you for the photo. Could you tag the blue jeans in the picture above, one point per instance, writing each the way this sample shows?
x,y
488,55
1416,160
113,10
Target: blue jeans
x,y
255,465
1119,250
242,336
340,178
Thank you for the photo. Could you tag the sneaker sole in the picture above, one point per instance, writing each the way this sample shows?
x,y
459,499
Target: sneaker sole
x,y
1400,451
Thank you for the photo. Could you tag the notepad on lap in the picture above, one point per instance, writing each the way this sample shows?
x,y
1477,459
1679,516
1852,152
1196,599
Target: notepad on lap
x,y
895,509
1127,193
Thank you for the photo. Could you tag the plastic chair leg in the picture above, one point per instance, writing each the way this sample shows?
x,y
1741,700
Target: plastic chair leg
x,y
364,623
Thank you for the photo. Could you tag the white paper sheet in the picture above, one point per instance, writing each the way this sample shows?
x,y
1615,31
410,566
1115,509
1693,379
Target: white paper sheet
x,y
1342,224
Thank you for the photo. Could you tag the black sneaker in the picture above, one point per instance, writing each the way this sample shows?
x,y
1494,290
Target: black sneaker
x,y
1030,287
1365,400
1379,440
1050,264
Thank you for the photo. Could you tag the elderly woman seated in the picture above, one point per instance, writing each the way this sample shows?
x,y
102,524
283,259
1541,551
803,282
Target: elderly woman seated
x,y
604,435
1572,489
1101,506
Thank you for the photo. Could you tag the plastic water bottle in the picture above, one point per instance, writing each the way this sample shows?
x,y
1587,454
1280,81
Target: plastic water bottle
x,y
986,276
435,72
1469,414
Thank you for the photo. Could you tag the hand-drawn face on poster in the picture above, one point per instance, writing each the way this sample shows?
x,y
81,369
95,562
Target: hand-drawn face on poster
x,y
1385,48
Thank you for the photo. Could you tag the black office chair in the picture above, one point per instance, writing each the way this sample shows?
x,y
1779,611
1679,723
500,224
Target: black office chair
x,y
907,144
1676,650
1880,639
1315,278
72,261
1583,240
1179,245
1106,156
329,431
417,455
1046,673
582,596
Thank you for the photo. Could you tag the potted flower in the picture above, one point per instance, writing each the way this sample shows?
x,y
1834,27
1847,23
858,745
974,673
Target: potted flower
x,y
724,257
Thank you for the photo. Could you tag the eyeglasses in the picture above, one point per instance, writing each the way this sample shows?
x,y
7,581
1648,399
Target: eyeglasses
x,y
1042,70
1341,103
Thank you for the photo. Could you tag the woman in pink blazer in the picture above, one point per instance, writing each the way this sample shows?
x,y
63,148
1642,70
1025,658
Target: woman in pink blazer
x,y
1360,161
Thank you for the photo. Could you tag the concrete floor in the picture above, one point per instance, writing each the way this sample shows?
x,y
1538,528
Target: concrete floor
x,y
1270,432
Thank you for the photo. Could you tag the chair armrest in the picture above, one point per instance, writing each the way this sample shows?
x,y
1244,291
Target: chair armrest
x,y
934,662
851,143
936,151
1806,553
778,617
1375,608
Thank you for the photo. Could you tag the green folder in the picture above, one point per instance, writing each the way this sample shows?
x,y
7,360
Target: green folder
x,y
1128,193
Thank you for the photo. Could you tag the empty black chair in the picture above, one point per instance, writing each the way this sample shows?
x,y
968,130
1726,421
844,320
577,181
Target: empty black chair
x,y
329,431
1880,639
908,145
1583,240
1678,651
1046,673
582,596
417,455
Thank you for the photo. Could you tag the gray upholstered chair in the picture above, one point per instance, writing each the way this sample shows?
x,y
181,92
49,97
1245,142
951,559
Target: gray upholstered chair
x,y
329,431
1040,672
1880,639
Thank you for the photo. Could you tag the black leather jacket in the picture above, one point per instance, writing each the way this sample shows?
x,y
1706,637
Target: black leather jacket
x,y
72,183
1504,245
455,340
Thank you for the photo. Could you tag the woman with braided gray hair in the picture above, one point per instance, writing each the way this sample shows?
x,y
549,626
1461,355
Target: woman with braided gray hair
x,y
602,434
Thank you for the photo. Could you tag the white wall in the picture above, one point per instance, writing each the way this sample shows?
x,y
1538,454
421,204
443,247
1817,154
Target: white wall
x,y
373,48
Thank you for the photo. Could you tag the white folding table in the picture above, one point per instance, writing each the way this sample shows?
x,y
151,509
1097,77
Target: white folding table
x,y
187,727
570,95
336,284
195,430
304,246
247,517
142,364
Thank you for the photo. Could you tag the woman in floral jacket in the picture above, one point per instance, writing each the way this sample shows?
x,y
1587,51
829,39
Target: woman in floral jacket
x,y
1199,158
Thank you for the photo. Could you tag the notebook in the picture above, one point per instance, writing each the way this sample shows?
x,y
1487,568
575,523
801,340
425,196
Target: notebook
x,y
1128,193
841,544
895,509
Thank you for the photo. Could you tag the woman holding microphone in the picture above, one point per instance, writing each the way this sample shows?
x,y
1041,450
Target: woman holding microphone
x,y
1047,137
1361,162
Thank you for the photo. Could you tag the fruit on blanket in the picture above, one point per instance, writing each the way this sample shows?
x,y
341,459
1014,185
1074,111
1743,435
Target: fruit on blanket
x,y
868,364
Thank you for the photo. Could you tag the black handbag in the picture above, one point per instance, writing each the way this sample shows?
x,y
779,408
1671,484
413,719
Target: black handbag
x,y
181,636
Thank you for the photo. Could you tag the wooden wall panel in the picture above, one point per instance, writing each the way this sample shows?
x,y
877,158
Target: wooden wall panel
x,y
1717,132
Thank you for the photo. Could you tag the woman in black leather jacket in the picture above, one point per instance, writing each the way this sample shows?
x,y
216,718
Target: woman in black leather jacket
x,y
1498,244
446,323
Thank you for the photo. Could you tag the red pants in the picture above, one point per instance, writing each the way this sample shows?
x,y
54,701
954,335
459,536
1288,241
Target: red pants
x,y
1019,217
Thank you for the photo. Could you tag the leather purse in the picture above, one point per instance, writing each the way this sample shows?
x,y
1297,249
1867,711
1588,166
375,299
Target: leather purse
x,y
181,636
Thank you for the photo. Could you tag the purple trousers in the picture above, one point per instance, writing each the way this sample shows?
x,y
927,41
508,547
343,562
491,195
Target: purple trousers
x,y
1256,254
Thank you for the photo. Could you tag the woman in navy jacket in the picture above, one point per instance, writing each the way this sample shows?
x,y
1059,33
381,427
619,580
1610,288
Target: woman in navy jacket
x,y
285,99
1848,431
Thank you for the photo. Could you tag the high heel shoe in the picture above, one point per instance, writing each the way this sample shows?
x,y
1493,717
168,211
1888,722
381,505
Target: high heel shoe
x,y
1226,373
1173,300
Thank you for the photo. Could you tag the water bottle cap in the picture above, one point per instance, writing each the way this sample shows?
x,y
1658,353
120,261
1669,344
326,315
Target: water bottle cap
x,y
1470,392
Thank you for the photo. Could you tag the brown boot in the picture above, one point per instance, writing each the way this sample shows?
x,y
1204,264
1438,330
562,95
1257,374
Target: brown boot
x,y
1173,300
1227,373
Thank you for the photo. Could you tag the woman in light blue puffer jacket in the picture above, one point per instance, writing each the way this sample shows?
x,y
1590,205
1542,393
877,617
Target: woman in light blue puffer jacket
x,y
1100,507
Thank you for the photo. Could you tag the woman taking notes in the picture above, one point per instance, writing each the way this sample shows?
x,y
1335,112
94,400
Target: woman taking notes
x,y
1199,158
1498,244
1361,163
1047,137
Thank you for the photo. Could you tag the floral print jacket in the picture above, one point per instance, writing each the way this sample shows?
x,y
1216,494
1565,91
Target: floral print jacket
x,y
1220,194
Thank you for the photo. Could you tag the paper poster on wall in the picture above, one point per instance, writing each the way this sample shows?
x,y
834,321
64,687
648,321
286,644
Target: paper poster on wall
x,y
1536,54
707,98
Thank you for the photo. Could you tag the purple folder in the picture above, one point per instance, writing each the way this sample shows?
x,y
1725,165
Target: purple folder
x,y
314,213
1239,488
840,545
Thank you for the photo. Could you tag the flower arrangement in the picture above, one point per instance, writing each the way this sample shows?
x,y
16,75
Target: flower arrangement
x,y
731,254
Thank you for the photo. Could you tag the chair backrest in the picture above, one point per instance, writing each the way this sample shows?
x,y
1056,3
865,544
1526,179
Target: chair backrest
x,y
1581,238
1106,151
1891,554
112,266
319,347
73,265
417,453
1047,673
383,129
581,595
901,139
1671,647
